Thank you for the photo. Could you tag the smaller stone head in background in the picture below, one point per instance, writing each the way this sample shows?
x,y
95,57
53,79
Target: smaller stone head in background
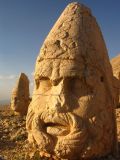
x,y
20,95
115,62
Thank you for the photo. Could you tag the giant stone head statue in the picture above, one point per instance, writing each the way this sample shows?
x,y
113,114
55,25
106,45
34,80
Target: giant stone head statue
x,y
20,95
71,114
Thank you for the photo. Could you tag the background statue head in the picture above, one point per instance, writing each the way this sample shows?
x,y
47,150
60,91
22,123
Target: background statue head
x,y
20,95
115,62
72,110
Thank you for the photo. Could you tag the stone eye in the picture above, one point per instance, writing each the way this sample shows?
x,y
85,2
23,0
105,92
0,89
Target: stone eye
x,y
44,84
38,81
72,82
56,82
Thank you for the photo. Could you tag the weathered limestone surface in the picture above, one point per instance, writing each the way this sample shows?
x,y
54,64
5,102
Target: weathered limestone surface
x,y
115,62
71,115
20,95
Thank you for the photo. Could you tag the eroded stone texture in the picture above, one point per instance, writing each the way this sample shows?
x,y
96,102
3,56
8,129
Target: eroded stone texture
x,y
20,95
115,62
71,115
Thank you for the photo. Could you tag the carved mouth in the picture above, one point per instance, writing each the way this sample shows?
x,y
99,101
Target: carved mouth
x,y
56,125
56,129
51,124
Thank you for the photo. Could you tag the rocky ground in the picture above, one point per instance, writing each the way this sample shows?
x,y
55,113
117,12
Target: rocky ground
x,y
13,138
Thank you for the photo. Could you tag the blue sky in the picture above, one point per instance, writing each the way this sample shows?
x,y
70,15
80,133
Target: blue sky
x,y
24,24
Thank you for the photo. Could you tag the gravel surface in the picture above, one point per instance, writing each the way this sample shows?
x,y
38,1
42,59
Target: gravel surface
x,y
13,138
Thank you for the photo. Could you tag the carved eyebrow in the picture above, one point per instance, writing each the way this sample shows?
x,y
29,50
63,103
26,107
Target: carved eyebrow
x,y
65,78
44,78
56,81
59,78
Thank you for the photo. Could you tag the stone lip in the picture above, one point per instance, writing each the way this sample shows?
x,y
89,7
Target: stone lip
x,y
56,127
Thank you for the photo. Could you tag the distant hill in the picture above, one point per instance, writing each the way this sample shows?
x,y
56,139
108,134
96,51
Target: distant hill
x,y
4,102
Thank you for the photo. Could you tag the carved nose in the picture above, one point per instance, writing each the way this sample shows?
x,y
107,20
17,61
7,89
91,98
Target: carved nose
x,y
57,98
58,103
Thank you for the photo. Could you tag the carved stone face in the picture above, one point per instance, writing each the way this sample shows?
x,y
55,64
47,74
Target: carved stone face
x,y
20,95
71,114
17,102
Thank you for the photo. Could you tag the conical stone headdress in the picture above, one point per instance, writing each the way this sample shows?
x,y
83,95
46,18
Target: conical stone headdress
x,y
77,39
